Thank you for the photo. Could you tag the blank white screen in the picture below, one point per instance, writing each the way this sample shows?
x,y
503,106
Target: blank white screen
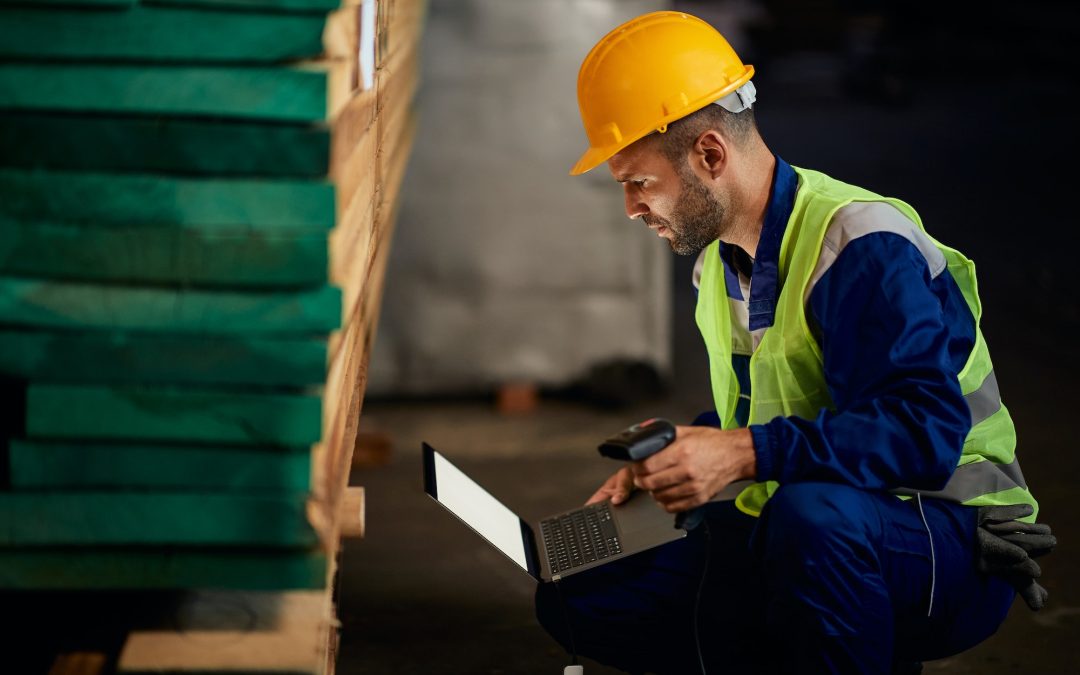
x,y
479,510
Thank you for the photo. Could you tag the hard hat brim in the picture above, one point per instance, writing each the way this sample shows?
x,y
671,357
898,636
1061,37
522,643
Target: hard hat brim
x,y
592,158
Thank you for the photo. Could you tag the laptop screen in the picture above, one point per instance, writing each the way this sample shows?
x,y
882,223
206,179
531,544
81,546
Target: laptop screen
x,y
474,506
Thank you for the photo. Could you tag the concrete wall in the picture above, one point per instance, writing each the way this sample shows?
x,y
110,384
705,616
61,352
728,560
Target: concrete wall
x,y
504,267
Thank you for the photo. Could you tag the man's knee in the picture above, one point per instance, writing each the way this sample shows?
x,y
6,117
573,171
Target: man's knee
x,y
814,519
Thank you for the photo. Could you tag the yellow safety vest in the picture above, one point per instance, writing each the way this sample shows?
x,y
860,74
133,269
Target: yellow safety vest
x,y
786,370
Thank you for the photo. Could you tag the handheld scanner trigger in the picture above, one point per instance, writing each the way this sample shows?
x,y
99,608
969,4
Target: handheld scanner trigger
x,y
639,441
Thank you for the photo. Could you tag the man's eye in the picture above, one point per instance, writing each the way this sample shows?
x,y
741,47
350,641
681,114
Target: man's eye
x,y
639,183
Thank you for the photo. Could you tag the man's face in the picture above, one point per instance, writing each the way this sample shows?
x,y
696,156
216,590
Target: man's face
x,y
675,203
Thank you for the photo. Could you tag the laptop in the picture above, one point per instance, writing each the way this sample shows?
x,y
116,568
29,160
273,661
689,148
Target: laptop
x,y
560,545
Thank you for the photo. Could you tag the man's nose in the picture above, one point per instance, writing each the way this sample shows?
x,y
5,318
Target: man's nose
x,y
635,208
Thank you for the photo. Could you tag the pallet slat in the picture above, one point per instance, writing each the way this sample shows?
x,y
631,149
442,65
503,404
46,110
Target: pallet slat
x,y
137,518
138,358
86,466
90,568
237,634
147,32
153,200
114,143
62,305
218,257
313,92
172,415
317,6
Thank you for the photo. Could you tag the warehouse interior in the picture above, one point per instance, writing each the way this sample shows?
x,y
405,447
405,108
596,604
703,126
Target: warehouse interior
x,y
494,307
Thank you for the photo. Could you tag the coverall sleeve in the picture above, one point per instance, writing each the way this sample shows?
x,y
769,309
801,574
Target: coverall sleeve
x,y
893,340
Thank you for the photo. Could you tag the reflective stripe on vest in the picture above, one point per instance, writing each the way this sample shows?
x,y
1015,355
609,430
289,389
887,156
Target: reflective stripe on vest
x,y
787,375
975,479
984,401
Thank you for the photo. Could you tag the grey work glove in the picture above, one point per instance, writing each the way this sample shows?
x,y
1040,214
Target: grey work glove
x,y
1007,548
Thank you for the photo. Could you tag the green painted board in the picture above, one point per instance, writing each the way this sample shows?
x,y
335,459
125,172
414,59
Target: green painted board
x,y
42,140
216,257
146,518
71,306
172,415
260,5
87,466
156,33
156,200
114,569
284,94
138,358
88,4
314,6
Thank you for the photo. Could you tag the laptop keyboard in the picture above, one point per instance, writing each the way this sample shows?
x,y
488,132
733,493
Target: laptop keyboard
x,y
580,537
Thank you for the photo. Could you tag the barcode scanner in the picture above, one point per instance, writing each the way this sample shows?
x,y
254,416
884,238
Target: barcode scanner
x,y
643,440
639,441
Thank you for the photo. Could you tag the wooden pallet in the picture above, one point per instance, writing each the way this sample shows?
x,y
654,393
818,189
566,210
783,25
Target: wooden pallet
x,y
152,247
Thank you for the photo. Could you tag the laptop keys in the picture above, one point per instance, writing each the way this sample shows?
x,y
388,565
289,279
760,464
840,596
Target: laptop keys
x,y
580,537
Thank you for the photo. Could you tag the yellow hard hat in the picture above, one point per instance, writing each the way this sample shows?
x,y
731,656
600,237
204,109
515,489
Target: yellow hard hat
x,y
648,72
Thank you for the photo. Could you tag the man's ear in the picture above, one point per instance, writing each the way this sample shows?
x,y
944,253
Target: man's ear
x,y
710,153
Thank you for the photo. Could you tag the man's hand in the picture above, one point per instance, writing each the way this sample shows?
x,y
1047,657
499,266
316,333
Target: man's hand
x,y
1007,548
618,488
698,464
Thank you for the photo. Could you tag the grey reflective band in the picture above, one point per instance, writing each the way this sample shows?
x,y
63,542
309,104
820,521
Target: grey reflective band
x,y
859,219
975,480
740,99
984,401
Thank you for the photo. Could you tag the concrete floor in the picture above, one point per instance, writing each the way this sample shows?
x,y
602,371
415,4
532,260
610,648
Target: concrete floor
x,y
422,594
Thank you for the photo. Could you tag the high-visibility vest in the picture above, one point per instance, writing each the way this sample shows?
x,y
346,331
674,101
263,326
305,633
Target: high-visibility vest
x,y
786,369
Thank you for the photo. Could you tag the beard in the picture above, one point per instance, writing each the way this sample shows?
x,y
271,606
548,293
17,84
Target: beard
x,y
698,218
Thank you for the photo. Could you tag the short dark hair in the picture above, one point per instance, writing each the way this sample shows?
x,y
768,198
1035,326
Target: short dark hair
x,y
681,134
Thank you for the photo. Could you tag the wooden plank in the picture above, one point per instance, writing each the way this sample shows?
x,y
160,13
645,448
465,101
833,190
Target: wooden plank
x,y
235,633
139,358
315,91
79,663
153,200
159,33
344,392
70,306
218,257
172,415
176,568
142,518
112,143
351,248
353,513
86,466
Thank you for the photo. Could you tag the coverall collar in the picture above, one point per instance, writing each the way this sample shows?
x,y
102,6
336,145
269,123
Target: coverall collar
x,y
765,276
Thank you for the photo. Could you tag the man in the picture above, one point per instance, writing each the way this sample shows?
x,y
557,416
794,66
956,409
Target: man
x,y
852,385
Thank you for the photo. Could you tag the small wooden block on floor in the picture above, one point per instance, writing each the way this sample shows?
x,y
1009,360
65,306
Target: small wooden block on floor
x,y
372,448
517,398
78,663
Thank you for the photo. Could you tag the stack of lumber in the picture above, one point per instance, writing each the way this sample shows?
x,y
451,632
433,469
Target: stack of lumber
x,y
196,202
